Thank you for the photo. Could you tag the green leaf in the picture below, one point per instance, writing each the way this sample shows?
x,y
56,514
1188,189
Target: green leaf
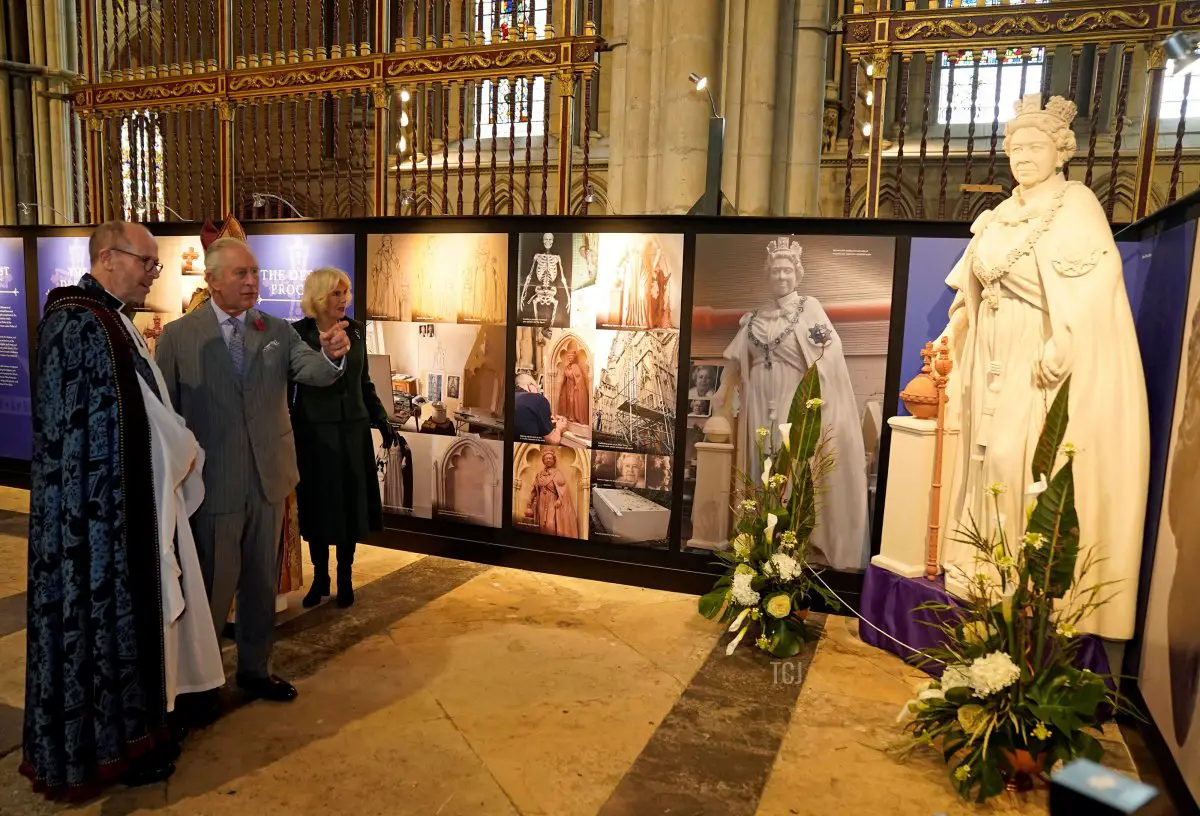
x,y
1054,430
785,644
1085,745
710,604
959,695
806,423
1053,566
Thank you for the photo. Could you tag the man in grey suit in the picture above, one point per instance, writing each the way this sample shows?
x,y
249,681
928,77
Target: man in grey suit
x,y
227,367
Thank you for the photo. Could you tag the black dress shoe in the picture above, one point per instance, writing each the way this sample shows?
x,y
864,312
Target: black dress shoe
x,y
268,688
148,772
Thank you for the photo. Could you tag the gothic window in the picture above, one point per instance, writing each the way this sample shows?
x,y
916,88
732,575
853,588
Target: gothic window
x,y
995,67
514,107
142,169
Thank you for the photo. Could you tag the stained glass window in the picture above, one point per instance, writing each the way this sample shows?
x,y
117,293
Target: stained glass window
x,y
995,67
142,195
520,104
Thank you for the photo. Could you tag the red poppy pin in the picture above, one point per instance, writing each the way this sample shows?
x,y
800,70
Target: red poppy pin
x,y
259,324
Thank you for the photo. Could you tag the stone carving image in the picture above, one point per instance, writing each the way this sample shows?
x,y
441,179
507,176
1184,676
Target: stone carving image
x,y
387,285
546,284
468,482
549,488
482,289
772,349
574,393
1039,294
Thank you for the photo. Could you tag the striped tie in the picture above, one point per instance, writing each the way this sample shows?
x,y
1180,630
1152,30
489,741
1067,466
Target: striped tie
x,y
236,348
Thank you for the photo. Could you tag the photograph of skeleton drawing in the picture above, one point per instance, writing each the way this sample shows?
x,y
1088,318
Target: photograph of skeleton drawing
x,y
544,279
438,278
638,282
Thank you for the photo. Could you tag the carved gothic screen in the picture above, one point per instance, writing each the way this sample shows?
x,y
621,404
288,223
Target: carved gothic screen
x,y
334,108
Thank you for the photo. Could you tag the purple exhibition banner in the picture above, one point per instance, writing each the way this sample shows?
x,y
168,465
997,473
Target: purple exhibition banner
x,y
929,298
285,261
16,427
61,262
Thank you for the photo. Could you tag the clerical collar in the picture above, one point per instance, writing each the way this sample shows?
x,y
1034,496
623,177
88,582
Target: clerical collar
x,y
89,284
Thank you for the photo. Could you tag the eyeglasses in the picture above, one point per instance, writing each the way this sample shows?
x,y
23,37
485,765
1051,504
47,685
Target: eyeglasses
x,y
149,263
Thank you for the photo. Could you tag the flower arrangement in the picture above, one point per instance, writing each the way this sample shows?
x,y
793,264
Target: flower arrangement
x,y
768,581
1010,702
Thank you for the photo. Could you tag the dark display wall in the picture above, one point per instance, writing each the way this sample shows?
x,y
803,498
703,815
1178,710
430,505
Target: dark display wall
x,y
552,378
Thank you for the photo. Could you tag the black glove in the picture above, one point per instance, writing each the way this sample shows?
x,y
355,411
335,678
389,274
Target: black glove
x,y
389,436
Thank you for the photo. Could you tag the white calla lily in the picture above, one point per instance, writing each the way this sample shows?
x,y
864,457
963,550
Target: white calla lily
x,y
733,644
772,520
1037,488
786,430
766,476
739,620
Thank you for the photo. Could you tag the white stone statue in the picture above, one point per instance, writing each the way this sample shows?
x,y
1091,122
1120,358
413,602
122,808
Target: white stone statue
x,y
1040,295
773,348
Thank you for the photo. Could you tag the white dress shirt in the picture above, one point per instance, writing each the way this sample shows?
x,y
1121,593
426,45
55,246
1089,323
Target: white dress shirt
x,y
227,330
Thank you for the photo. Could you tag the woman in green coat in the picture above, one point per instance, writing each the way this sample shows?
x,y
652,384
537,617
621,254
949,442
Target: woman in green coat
x,y
338,495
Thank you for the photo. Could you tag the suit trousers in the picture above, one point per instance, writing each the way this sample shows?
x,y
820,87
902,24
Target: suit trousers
x,y
240,554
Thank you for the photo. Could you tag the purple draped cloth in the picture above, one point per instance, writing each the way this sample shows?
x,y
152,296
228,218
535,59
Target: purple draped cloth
x,y
890,602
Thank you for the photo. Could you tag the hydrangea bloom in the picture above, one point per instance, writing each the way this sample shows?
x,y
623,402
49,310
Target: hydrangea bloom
x,y
787,567
992,673
743,594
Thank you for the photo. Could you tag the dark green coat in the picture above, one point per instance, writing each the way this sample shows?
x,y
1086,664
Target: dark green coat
x,y
338,495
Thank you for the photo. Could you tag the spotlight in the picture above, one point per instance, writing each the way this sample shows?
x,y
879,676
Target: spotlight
x,y
869,98
589,194
866,130
1180,49
405,95
402,145
403,118
701,84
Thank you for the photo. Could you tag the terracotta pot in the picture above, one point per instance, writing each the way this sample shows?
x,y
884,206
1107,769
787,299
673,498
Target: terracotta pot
x,y
1026,769
800,613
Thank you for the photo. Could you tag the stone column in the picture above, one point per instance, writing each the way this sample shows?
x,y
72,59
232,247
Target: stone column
x,y
729,98
687,36
630,138
756,134
809,36
710,507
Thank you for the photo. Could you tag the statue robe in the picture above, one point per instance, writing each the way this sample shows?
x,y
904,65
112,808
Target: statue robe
x,y
841,531
1087,314
95,691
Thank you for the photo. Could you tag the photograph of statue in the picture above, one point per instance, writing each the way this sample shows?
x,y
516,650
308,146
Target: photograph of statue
x,y
575,391
1039,294
550,490
639,281
766,308
544,288
387,284
404,475
774,347
635,390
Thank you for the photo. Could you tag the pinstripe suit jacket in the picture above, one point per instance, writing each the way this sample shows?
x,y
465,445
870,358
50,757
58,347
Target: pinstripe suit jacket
x,y
243,425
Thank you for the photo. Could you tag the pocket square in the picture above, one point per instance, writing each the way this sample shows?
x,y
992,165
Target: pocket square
x,y
270,346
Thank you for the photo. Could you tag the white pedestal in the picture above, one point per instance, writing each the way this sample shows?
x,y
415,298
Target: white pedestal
x,y
710,505
910,476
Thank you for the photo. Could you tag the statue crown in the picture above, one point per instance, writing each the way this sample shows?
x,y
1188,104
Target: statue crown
x,y
1061,111
785,246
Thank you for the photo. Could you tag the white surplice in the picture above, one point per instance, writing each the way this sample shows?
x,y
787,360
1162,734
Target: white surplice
x,y
190,648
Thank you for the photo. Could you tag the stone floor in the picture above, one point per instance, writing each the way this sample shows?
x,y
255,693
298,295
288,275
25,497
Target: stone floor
x,y
452,689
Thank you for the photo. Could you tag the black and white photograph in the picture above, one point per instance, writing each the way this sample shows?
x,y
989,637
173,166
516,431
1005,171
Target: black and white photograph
x,y
544,294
